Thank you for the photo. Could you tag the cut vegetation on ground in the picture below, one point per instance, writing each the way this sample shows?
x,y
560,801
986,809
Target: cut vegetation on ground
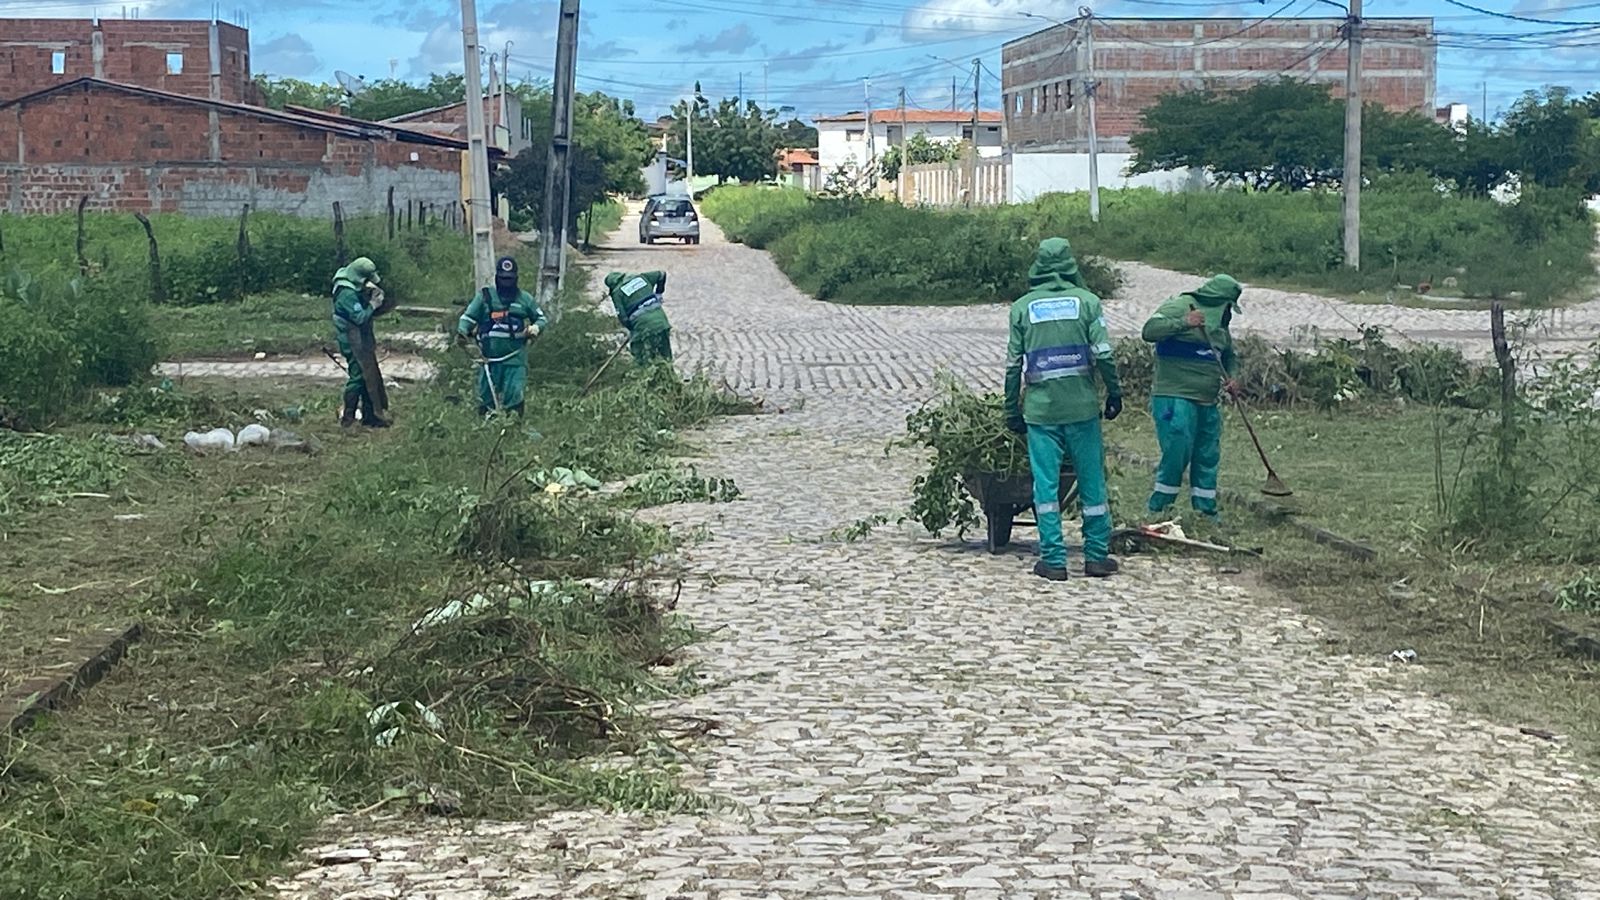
x,y
443,618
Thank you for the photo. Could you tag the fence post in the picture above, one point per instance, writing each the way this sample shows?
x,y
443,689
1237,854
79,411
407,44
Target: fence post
x,y
83,261
1508,381
409,219
242,246
391,212
339,246
158,286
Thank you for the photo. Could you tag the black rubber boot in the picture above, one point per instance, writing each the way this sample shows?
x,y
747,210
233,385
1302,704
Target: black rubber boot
x,y
347,416
368,417
1101,568
1048,572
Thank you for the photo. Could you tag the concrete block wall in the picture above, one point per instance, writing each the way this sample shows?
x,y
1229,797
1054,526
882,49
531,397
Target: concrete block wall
x,y
1136,61
134,52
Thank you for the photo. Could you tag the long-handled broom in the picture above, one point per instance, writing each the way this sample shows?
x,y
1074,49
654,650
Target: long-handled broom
x,y
1274,486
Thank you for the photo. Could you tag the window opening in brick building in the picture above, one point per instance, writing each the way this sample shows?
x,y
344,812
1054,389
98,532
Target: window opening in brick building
x,y
1069,95
58,62
854,134
174,63
1017,101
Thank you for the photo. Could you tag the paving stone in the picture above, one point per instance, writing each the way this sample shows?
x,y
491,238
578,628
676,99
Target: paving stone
x,y
906,717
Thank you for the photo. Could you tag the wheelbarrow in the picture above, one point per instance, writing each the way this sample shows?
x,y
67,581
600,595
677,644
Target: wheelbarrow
x,y
1002,497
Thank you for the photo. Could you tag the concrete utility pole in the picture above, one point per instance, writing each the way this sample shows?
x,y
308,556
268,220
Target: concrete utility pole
x,y
900,186
1090,88
688,140
972,156
480,205
557,181
1352,140
872,152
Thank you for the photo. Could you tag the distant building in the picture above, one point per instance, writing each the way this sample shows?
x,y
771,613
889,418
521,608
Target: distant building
x,y
1454,116
800,168
194,57
1044,74
842,140
505,126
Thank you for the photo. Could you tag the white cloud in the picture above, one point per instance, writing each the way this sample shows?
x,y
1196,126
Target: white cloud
x,y
290,54
951,18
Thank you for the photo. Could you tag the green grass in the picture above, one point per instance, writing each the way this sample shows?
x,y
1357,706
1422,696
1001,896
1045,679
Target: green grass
x,y
200,260
281,322
1477,613
285,675
1538,250
600,220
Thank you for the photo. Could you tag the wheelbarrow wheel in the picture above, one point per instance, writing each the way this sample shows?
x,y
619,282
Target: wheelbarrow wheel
x,y
999,524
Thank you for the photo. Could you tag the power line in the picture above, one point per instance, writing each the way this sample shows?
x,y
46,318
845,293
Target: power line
x,y
1512,16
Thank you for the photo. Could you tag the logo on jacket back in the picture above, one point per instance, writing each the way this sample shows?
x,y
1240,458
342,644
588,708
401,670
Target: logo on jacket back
x,y
634,285
1053,309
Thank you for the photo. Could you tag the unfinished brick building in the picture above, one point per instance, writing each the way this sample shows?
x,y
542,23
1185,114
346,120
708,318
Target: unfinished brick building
x,y
1137,60
194,57
136,148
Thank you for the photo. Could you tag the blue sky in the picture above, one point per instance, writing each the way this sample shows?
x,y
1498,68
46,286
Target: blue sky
x,y
814,54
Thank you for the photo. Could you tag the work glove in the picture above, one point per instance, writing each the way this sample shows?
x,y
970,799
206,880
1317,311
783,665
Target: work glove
x,y
531,332
1113,406
1016,425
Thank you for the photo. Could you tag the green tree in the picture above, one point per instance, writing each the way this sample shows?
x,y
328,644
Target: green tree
x,y
392,97
734,140
610,147
918,150
1555,139
280,92
795,133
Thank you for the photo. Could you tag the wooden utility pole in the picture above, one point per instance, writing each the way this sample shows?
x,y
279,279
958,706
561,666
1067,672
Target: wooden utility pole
x,y
872,145
1352,139
481,203
558,177
1090,88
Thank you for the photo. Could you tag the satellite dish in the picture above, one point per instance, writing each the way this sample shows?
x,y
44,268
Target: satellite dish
x,y
352,85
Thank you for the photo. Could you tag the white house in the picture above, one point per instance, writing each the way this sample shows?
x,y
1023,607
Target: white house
x,y
842,140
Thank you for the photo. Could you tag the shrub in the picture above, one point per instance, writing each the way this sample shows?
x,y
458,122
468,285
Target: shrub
x,y
200,260
58,339
857,250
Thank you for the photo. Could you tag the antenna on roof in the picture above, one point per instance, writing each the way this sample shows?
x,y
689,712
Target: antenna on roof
x,y
352,85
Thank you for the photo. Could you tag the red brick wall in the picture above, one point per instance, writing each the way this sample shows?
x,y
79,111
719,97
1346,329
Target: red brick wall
x,y
1138,60
135,53
145,153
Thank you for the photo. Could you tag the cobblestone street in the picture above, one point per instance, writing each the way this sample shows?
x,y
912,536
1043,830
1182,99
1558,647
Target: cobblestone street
x,y
907,718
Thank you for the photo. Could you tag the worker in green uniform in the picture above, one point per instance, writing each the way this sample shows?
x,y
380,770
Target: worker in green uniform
x,y
504,319
1190,334
356,298
1058,344
638,302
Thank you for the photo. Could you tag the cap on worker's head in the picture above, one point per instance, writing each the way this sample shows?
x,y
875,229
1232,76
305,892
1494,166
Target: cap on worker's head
x,y
365,269
612,280
505,268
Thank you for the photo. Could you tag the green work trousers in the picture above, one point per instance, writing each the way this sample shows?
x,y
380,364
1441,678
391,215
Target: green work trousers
x,y
353,382
1048,445
1190,435
507,379
648,348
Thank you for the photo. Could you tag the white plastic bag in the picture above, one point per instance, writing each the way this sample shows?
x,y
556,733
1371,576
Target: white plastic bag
x,y
254,435
215,439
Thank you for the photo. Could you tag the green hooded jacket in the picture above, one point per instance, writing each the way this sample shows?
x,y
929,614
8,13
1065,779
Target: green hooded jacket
x,y
1186,366
351,306
637,299
1058,341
